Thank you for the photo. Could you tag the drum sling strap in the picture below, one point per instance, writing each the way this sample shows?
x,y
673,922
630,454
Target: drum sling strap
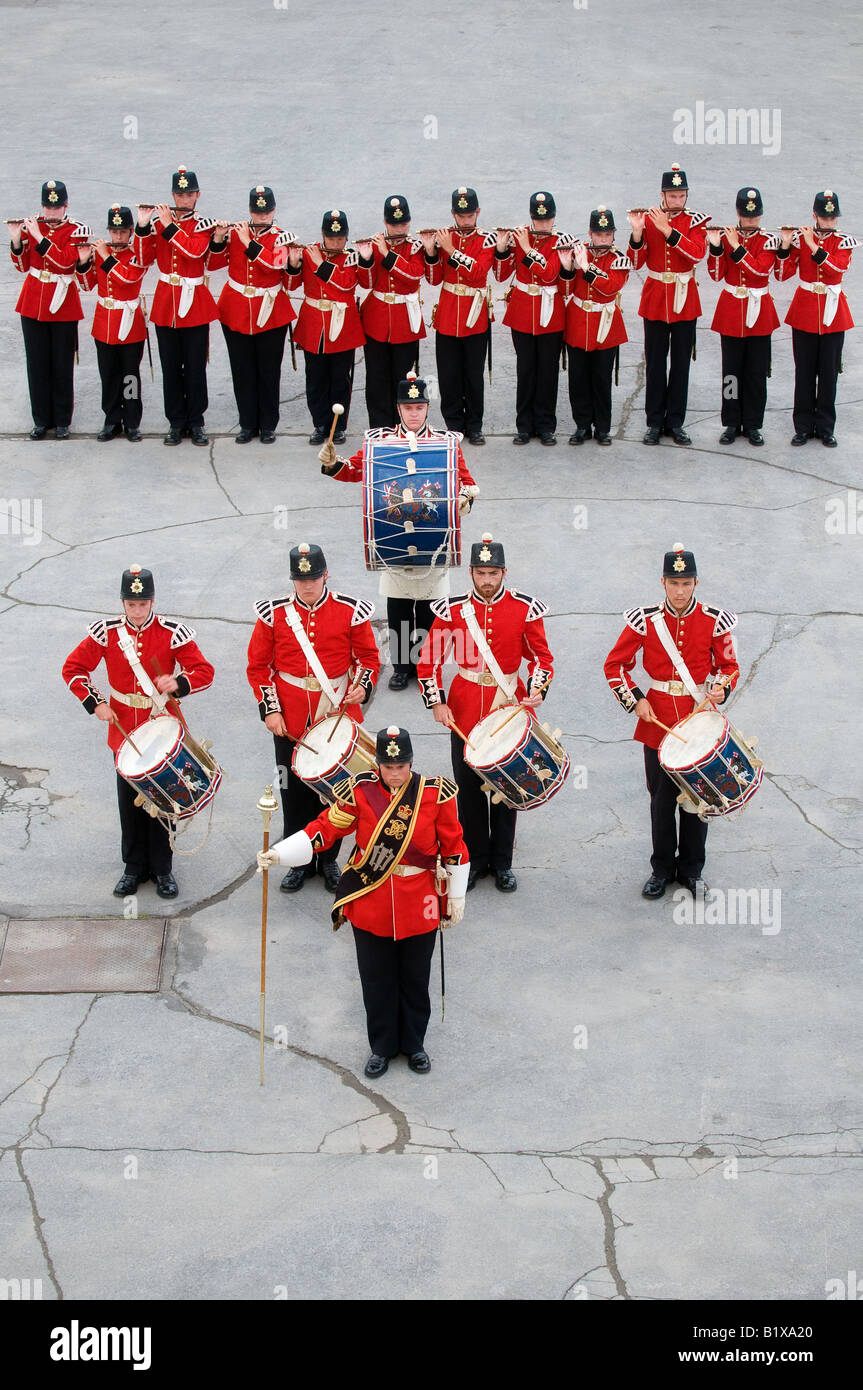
x,y
387,844
505,687
675,656
127,647
328,690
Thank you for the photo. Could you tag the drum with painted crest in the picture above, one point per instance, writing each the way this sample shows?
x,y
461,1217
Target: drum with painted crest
x,y
713,764
410,504
169,768
518,759
331,750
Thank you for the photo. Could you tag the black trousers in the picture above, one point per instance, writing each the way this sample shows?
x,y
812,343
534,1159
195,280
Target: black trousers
x,y
747,361
329,382
120,374
666,388
145,845
183,354
256,371
299,803
537,368
460,364
50,352
395,980
488,827
590,376
673,851
817,358
406,617
386,365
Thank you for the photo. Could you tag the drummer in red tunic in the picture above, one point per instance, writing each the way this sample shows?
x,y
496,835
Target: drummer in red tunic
x,y
313,633
409,853
705,659
167,658
489,633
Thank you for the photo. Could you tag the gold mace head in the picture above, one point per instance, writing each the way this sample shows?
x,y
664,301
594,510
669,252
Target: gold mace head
x,y
267,804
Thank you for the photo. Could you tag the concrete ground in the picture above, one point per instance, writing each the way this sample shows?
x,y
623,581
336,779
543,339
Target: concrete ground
x,y
624,1103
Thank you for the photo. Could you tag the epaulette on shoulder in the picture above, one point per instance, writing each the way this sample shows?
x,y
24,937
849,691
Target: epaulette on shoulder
x,y
636,618
416,245
488,239
343,791
284,239
698,218
266,608
372,435
352,258
621,262
772,242
180,632
363,609
535,606
205,224
446,789
100,629
725,620
442,607
847,242
80,229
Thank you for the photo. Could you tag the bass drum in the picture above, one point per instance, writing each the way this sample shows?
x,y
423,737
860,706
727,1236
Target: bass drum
x,y
410,504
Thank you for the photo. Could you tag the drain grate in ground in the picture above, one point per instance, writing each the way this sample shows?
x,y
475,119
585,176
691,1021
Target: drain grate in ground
x,y
81,955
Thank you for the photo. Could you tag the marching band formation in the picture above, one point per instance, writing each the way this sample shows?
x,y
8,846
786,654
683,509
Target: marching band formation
x,y
563,293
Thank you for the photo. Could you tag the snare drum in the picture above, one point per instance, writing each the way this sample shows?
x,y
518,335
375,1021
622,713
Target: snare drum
x,y
714,765
522,764
169,769
410,504
326,761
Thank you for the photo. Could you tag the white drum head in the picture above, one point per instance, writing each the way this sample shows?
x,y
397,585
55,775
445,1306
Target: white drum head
x,y
155,738
490,747
321,756
701,733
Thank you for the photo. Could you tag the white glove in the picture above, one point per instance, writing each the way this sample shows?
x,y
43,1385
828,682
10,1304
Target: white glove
x,y
267,859
456,912
327,454
295,850
456,876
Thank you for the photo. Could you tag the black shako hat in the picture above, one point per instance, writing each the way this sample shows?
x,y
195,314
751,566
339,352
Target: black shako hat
x,y
396,210
119,217
542,205
184,181
465,200
334,223
487,551
393,745
137,583
826,204
54,194
674,180
261,198
602,219
749,203
679,563
412,391
307,561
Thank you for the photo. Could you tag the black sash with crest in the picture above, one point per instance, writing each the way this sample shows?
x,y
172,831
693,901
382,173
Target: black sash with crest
x,y
387,844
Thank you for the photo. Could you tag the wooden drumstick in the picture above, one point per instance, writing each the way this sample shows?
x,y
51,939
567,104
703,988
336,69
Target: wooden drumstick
x,y
337,411
654,720
127,738
169,698
335,726
519,706
464,738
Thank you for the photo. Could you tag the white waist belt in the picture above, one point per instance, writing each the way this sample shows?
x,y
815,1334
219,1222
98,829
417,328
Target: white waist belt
x,y
484,677
670,687
680,279
309,682
753,299
133,701
549,294
411,300
128,306
607,306
61,281
187,293
336,310
818,287
266,292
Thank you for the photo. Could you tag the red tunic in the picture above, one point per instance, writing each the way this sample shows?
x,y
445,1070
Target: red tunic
x,y
747,268
825,266
117,280
340,632
703,637
678,255
537,284
601,283
161,640
463,277
513,628
182,251
262,265
54,255
334,282
403,905
391,277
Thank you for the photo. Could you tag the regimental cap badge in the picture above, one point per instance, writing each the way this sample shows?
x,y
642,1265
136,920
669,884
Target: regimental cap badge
x,y
829,206
182,181
392,747
136,586
462,202
413,391
305,565
260,202
116,219
53,196
603,220
485,553
751,205
679,563
675,177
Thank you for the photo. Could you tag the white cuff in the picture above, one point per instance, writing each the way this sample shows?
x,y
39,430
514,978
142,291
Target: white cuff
x,y
295,850
457,876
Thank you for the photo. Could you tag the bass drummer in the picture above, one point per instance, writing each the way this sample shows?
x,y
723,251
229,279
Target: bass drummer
x,y
141,651
683,645
488,632
310,653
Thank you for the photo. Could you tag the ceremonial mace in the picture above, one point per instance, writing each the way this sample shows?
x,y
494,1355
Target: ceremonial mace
x,y
266,805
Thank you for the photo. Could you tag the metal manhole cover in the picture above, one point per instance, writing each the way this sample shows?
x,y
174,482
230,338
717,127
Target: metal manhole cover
x,y
82,955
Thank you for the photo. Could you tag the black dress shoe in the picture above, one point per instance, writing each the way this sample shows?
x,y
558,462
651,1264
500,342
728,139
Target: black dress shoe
x,y
547,438
521,439
604,439
473,876
419,1061
801,437
245,436
399,680
376,1066
134,436
654,887
339,437
728,435
505,880
62,432
126,885
108,432
166,885
37,432
680,437
268,436
695,885
173,437
829,441
651,436
579,436
318,437
476,438
293,881
198,435
331,874
755,437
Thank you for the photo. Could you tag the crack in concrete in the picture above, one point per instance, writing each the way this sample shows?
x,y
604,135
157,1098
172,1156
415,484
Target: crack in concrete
x,y
13,781
38,1222
629,401
219,482
604,1204
773,778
